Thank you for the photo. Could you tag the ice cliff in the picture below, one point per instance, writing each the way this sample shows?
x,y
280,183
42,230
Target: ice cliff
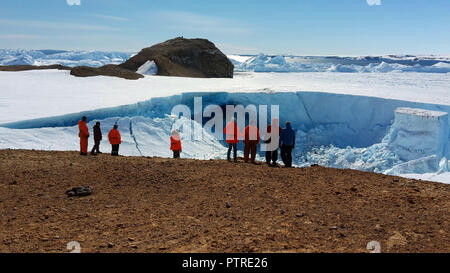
x,y
342,131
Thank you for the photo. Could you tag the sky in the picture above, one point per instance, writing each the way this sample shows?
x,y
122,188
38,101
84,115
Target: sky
x,y
297,27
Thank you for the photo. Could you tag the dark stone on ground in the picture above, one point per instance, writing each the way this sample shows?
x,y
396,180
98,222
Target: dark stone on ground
x,y
79,191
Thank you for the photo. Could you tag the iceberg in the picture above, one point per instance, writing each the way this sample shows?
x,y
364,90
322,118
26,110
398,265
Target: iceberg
x,y
246,63
266,63
66,58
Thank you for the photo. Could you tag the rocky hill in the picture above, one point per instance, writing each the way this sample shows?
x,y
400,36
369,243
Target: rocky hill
x,y
184,58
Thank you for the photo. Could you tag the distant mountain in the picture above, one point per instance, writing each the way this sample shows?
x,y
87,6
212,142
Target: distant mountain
x,y
62,57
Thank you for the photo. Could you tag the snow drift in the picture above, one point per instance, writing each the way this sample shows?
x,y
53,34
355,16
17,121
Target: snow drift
x,y
149,68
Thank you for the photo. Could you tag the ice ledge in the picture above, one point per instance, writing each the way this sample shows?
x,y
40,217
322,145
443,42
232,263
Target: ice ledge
x,y
420,112
419,133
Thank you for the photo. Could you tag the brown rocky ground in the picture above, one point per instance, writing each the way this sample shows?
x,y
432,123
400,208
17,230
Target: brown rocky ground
x,y
15,68
165,205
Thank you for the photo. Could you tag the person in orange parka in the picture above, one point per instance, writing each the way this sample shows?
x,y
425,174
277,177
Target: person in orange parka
x,y
251,140
233,134
115,140
84,136
175,143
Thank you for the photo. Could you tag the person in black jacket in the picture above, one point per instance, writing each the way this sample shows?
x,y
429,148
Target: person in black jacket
x,y
287,144
97,139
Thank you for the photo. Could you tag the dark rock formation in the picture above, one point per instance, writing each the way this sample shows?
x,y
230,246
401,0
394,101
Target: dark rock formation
x,y
107,70
33,67
184,58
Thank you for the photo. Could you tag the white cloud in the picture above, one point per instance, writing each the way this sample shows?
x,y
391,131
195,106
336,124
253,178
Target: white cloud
x,y
73,2
187,21
109,17
374,2
19,36
55,25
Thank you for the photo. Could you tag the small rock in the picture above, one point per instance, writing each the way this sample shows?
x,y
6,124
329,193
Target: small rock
x,y
396,240
130,239
110,245
79,191
333,228
353,189
299,215
13,182
395,180
282,211
228,205
134,246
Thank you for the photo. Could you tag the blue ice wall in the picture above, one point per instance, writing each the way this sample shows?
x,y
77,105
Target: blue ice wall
x,y
341,120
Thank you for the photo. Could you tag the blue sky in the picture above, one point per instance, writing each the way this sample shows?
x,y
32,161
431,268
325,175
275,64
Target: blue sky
x,y
302,27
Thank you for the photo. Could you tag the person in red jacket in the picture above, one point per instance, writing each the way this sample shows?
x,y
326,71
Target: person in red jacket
x,y
175,143
115,140
272,156
251,140
84,136
233,134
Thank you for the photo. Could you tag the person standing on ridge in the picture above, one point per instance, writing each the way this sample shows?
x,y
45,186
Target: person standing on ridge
x,y
97,138
115,140
251,140
175,143
233,134
272,156
83,134
287,144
